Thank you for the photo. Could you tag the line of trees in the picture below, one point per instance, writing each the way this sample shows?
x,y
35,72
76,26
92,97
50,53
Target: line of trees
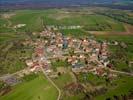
x,y
122,17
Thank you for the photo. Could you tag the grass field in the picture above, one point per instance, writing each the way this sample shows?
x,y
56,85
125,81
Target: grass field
x,y
123,87
93,79
37,89
12,52
74,97
78,33
63,80
112,37
11,36
60,63
89,22
34,20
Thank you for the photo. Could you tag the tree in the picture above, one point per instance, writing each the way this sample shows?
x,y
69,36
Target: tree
x,y
71,52
108,98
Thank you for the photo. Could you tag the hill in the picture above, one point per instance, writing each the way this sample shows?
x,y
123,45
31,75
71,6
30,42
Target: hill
x,y
56,3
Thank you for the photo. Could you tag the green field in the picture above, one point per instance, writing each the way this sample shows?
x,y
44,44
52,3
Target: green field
x,y
37,89
121,16
113,37
74,97
4,26
78,33
35,19
63,80
11,36
89,22
13,53
123,87
60,63
90,78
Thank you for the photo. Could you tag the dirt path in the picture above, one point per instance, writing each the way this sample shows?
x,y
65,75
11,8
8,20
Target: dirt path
x,y
129,28
115,71
52,84
128,31
10,25
73,76
120,72
16,73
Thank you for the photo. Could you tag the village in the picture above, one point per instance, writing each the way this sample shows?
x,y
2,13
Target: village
x,y
78,55
83,55
66,50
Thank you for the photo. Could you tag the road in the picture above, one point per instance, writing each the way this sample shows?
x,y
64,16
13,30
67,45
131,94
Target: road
x,y
116,71
16,73
120,72
52,84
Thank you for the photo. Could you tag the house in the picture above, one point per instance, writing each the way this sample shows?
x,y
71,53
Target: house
x,y
88,50
12,80
29,63
35,66
131,64
39,51
48,71
85,42
53,76
65,44
100,71
19,25
82,57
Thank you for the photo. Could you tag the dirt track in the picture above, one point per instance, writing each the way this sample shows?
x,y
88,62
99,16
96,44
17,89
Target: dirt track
x,y
110,33
128,28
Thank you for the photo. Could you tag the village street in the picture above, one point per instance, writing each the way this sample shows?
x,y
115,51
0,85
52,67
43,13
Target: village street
x,y
121,72
116,71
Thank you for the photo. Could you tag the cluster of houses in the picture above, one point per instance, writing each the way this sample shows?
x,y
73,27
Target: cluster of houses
x,y
103,54
19,25
64,27
84,55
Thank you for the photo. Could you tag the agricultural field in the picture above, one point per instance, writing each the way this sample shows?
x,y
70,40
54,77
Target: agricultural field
x,y
65,77
78,33
13,53
123,87
88,21
36,89
119,87
62,81
93,79
121,16
59,17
